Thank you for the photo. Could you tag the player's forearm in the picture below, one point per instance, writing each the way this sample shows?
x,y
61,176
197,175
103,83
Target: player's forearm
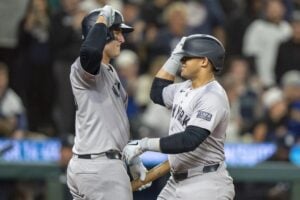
x,y
92,48
163,74
181,142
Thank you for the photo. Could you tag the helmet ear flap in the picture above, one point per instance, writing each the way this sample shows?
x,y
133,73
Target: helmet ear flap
x,y
110,35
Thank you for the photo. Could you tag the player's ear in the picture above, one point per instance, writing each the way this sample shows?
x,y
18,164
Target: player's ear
x,y
205,61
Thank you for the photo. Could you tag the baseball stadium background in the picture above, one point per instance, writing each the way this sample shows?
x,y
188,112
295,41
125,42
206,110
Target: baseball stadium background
x,y
39,39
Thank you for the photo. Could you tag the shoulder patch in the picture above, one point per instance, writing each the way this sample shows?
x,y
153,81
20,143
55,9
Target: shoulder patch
x,y
204,115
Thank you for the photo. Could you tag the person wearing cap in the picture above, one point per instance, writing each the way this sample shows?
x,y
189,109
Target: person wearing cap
x,y
288,53
290,84
96,170
272,125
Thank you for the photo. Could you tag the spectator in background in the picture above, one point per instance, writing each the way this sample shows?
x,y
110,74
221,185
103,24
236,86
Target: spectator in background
x,y
127,65
233,91
288,54
262,39
238,22
149,123
12,114
36,67
145,81
249,89
273,126
206,17
12,12
290,84
131,13
65,38
175,16
294,121
117,4
152,12
296,5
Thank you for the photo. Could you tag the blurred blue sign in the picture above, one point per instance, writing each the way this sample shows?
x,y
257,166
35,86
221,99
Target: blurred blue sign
x,y
295,155
248,154
30,150
237,154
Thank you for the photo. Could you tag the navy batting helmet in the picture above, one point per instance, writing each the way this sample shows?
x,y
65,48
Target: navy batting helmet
x,y
201,45
89,21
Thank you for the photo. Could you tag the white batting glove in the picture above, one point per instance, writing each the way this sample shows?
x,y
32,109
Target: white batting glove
x,y
137,147
178,48
173,63
132,150
109,13
138,170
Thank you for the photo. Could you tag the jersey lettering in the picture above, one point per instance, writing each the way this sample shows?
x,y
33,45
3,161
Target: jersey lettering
x,y
75,103
179,114
116,88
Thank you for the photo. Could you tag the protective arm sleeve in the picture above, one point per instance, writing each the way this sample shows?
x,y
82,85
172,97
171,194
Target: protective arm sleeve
x,y
92,48
157,89
185,141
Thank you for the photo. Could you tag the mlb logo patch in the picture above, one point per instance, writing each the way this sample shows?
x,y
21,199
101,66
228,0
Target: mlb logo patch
x,y
204,115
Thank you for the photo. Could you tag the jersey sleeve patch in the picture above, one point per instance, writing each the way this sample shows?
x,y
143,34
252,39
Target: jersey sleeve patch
x,y
204,115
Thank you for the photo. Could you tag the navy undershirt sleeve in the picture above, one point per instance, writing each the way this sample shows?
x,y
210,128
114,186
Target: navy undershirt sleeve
x,y
92,47
157,87
185,141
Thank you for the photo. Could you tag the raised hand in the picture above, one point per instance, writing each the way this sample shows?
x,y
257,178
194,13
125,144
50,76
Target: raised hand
x,y
109,13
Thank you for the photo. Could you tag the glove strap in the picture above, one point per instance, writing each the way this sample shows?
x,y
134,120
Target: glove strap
x,y
151,144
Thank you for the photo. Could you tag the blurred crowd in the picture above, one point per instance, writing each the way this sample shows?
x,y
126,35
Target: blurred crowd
x,y
39,40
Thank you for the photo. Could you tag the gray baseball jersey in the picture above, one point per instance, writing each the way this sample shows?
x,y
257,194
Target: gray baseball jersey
x,y
101,125
101,120
206,107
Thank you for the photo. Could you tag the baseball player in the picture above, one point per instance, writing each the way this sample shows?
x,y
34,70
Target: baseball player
x,y
200,114
96,171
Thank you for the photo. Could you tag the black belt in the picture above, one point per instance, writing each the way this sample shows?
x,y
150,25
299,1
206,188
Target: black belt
x,y
179,176
111,154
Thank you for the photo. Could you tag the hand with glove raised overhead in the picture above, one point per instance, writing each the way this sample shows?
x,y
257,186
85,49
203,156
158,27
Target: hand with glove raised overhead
x,y
109,14
173,63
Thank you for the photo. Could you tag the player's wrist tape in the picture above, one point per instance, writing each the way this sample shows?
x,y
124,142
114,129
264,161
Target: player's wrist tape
x,y
150,144
172,65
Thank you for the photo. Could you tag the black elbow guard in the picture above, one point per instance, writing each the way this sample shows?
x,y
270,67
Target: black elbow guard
x,y
157,88
90,59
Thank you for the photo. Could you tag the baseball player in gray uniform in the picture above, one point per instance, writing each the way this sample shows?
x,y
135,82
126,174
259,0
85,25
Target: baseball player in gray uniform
x,y
96,170
200,114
